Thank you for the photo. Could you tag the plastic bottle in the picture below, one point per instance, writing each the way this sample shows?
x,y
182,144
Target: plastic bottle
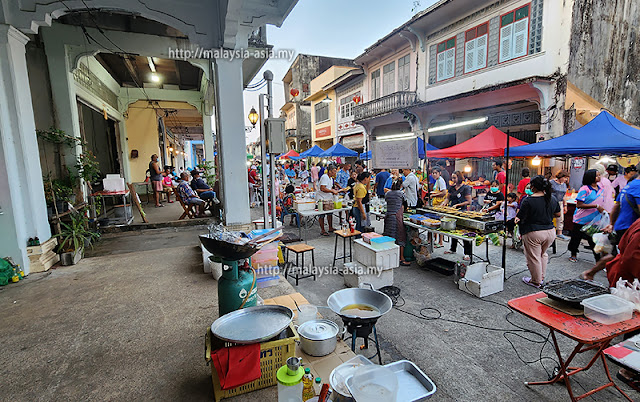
x,y
307,385
290,381
317,385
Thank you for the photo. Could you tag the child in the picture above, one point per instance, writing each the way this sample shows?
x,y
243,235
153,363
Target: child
x,y
287,203
512,211
494,199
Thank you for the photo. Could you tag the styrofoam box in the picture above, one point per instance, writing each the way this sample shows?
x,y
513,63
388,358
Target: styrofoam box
x,y
206,263
482,280
370,257
306,205
113,183
356,276
259,223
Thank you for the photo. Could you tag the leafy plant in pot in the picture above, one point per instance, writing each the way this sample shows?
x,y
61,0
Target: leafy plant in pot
x,y
74,237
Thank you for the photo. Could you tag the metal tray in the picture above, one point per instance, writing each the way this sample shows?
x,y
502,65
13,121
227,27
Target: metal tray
x,y
252,324
573,290
413,384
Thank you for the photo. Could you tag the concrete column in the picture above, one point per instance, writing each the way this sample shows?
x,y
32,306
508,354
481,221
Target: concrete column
x,y
63,91
207,130
233,148
23,210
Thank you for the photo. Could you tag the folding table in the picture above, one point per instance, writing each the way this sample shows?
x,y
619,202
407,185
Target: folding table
x,y
589,334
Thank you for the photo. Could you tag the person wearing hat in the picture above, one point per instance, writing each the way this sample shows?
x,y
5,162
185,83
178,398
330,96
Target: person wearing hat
x,y
201,188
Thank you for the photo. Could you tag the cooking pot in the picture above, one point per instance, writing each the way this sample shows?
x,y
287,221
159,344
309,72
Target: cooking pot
x,y
448,224
318,337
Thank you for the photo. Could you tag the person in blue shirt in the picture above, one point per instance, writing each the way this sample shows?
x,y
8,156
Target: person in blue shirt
x,y
342,177
381,180
625,212
291,174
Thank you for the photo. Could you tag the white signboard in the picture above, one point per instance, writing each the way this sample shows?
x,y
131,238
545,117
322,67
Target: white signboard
x,y
398,154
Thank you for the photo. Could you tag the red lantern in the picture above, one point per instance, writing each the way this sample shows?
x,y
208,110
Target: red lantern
x,y
356,99
294,92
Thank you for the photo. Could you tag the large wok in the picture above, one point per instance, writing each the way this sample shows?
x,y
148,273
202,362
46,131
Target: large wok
x,y
226,250
345,297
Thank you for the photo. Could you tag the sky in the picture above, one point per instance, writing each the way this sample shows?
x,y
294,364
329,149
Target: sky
x,y
334,28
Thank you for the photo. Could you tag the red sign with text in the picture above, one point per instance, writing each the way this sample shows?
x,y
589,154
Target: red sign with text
x,y
323,132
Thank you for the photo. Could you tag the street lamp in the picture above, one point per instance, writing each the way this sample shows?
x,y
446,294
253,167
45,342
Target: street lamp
x,y
327,99
253,117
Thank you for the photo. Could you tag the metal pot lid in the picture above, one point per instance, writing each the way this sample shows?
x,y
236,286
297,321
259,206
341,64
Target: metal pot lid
x,y
318,330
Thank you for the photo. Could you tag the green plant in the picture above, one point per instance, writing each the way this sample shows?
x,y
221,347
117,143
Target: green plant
x,y
88,167
73,234
208,172
57,136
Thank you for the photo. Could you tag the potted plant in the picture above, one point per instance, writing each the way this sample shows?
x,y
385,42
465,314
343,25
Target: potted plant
x,y
74,237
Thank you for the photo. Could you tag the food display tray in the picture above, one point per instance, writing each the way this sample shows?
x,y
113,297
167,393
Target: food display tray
x,y
413,384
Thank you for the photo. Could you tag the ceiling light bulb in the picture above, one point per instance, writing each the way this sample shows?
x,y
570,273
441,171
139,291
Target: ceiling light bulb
x,y
155,77
536,161
467,169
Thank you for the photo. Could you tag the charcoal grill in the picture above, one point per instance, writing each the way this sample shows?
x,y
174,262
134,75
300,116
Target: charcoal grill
x,y
573,291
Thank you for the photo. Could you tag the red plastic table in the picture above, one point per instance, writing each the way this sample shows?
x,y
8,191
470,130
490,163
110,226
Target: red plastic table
x,y
589,334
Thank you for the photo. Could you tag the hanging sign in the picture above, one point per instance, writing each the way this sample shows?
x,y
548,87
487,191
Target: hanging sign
x,y
396,154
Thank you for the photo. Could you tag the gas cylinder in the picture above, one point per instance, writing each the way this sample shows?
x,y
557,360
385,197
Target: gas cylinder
x,y
234,286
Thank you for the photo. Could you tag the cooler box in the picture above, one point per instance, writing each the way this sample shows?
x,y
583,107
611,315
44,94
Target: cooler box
x,y
355,276
368,236
304,205
368,256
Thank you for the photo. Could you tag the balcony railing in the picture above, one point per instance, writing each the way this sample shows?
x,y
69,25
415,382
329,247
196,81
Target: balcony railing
x,y
386,104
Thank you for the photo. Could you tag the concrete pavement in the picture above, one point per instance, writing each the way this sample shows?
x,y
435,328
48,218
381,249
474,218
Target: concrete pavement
x,y
129,324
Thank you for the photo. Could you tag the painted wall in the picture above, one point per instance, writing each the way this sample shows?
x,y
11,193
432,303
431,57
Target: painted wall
x,y
142,129
552,58
605,56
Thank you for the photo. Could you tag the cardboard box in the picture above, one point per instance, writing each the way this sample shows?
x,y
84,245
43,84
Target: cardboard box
x,y
482,280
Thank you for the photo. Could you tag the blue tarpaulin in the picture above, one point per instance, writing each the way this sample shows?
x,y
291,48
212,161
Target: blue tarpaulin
x,y
604,135
338,150
421,148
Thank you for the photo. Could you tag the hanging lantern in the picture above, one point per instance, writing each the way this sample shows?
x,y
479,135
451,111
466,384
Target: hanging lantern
x,y
294,92
356,99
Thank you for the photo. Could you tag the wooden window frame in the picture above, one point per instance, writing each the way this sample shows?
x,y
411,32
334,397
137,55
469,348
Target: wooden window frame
x,y
513,11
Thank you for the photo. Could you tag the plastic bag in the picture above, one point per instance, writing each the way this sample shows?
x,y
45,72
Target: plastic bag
x,y
628,291
517,238
596,224
422,255
603,245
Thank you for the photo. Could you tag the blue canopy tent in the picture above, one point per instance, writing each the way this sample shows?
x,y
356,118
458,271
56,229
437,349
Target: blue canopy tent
x,y
338,150
365,156
314,151
604,135
421,148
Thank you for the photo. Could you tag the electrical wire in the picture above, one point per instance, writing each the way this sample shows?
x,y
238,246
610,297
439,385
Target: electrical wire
x,y
432,314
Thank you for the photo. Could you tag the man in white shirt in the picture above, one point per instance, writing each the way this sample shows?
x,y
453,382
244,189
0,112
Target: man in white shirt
x,y
325,193
410,186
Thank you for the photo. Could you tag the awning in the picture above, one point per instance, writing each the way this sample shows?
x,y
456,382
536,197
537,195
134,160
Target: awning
x,y
490,142
338,150
353,141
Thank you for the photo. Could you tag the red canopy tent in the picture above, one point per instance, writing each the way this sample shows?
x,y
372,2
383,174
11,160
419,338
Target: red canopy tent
x,y
290,155
490,142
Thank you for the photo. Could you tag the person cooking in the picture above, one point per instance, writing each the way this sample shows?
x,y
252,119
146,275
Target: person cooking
x,y
460,198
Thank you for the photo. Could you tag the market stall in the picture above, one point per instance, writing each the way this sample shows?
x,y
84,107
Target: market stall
x,y
338,150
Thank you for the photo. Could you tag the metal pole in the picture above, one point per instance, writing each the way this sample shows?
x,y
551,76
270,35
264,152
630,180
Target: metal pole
x,y
506,191
268,76
263,155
